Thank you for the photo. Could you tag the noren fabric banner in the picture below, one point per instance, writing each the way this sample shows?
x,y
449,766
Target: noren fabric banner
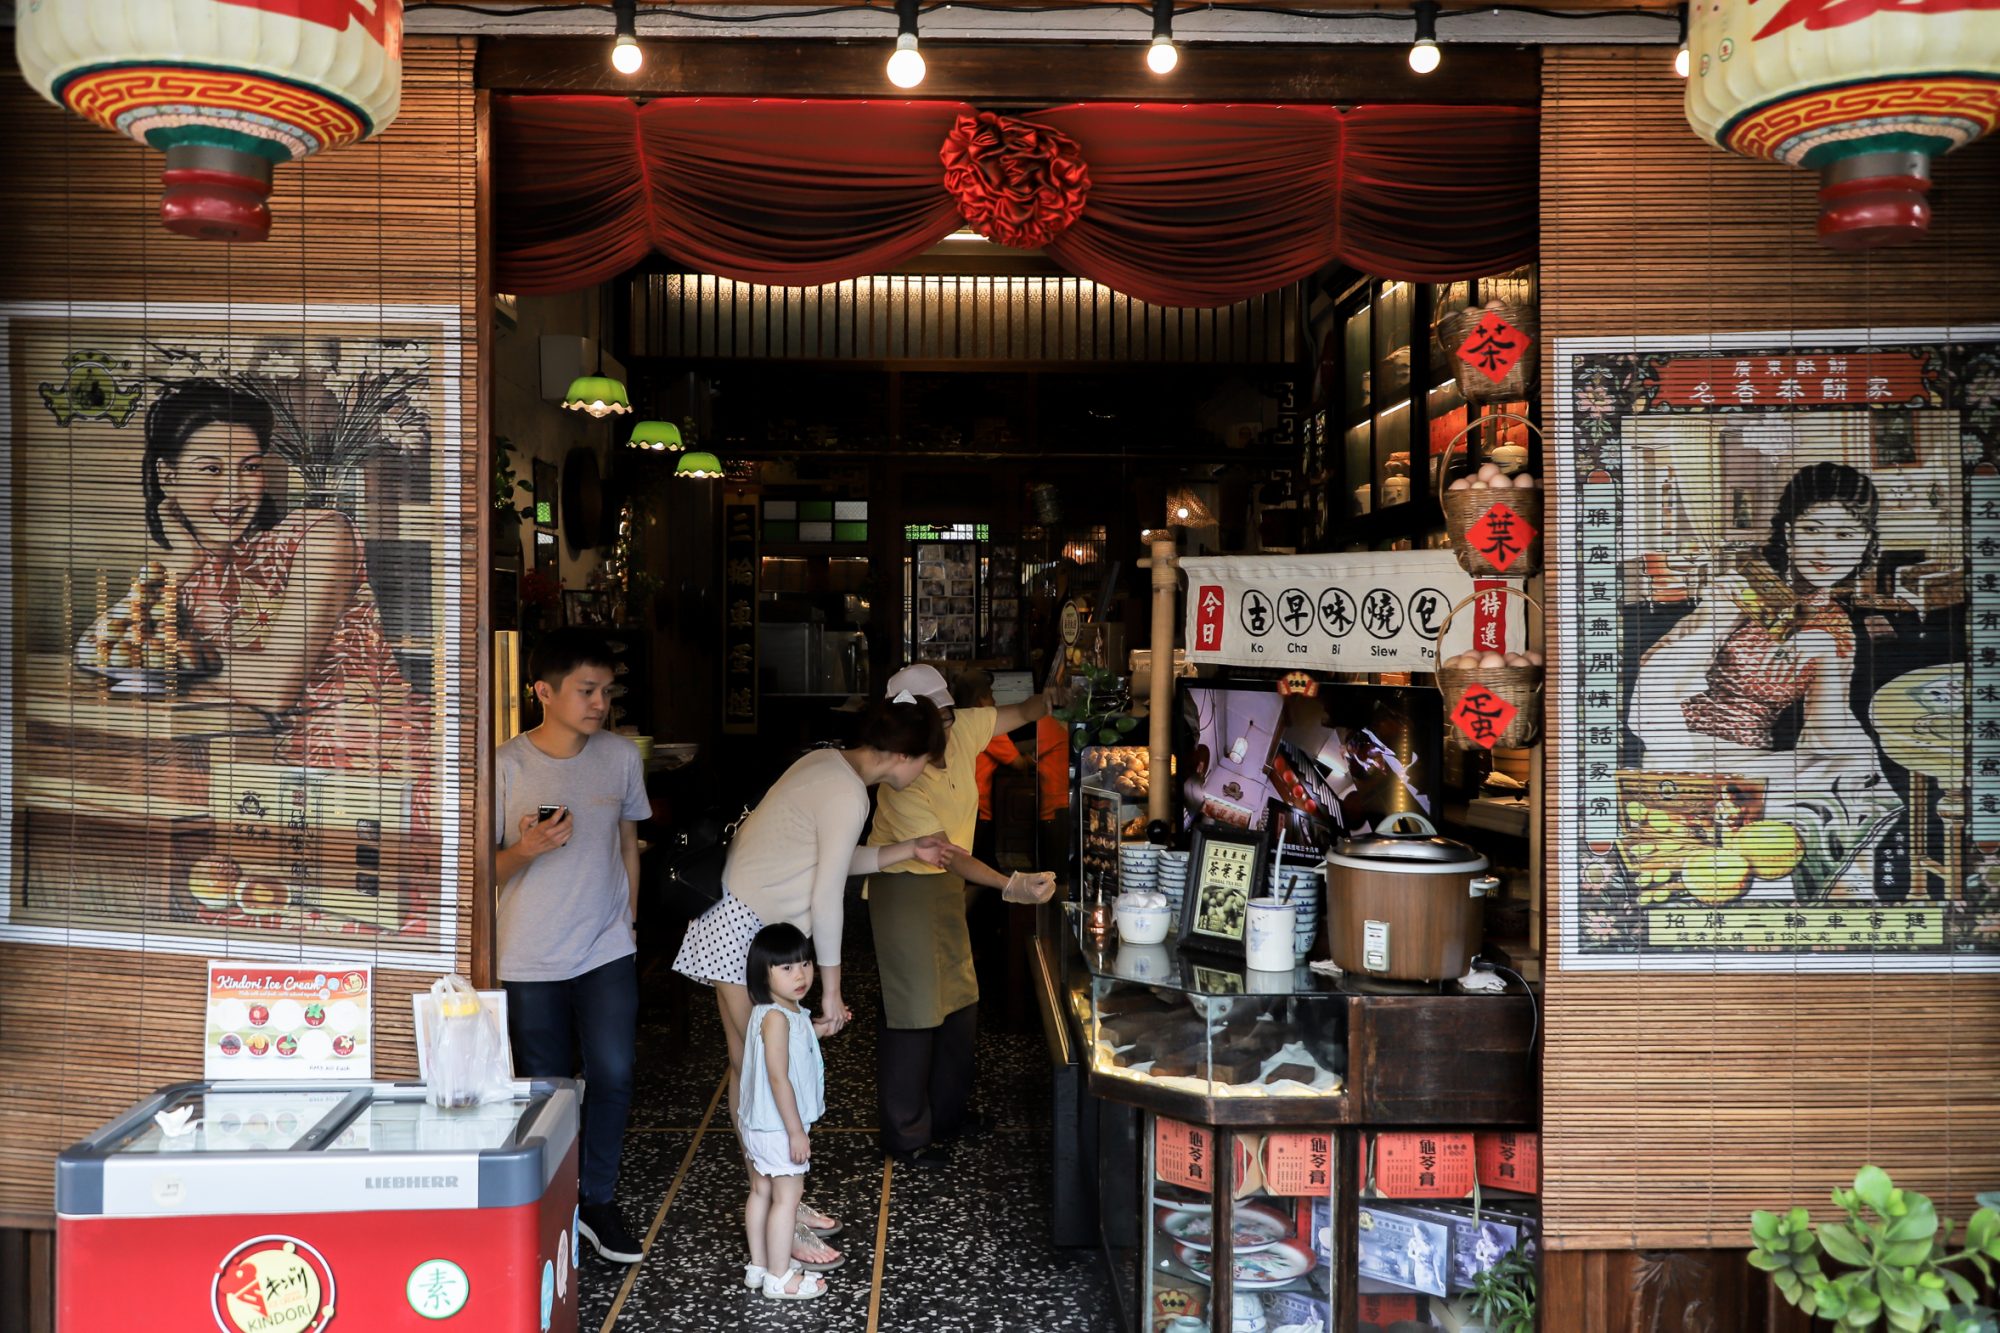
x,y
1189,205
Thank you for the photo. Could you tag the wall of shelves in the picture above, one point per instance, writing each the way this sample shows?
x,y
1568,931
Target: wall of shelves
x,y
1389,408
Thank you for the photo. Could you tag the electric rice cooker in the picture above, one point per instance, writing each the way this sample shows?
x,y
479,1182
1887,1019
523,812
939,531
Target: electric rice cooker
x,y
1405,904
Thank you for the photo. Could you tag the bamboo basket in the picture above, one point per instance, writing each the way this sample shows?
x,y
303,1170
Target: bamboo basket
x,y
1464,509
1475,385
1520,686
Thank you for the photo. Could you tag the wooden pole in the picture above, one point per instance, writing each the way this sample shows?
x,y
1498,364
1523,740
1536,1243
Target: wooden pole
x,y
1160,737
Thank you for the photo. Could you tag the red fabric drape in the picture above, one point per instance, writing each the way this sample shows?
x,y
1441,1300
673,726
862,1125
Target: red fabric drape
x,y
1188,205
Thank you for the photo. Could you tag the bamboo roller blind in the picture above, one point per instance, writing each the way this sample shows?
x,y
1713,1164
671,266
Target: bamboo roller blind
x,y
84,1031
1677,1102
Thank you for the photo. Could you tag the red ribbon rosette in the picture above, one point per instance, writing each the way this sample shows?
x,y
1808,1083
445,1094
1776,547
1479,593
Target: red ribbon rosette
x,y
1015,182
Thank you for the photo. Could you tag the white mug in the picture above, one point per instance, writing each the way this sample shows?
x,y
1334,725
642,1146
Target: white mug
x,y
1267,935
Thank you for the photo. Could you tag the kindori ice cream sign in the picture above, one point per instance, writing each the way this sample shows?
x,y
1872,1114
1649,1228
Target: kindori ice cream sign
x,y
285,1022
1865,92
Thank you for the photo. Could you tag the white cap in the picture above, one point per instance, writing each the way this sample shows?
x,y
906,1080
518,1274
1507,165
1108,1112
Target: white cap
x,y
919,682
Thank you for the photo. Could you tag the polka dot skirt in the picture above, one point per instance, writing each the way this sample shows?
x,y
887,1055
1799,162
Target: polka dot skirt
x,y
717,944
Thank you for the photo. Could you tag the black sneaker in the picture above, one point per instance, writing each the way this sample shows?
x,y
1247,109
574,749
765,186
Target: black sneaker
x,y
605,1230
931,1157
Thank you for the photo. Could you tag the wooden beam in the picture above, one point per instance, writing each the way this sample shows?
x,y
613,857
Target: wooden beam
x,y
1012,74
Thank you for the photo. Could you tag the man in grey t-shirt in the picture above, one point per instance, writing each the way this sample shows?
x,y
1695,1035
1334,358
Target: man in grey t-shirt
x,y
567,800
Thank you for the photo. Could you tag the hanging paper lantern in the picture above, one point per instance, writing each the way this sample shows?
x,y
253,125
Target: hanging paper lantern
x,y
1865,92
227,88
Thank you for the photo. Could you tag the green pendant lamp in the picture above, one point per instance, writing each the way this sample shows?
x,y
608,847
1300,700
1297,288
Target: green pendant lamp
x,y
599,395
698,465
659,436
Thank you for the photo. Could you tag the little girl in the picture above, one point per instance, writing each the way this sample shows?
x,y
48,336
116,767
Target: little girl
x,y
783,1092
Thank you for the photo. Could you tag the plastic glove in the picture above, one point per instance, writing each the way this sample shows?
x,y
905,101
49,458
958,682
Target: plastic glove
x,y
1025,887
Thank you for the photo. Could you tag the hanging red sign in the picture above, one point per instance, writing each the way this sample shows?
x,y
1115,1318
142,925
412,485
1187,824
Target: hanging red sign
x,y
1493,347
1500,535
1208,608
1482,715
1859,379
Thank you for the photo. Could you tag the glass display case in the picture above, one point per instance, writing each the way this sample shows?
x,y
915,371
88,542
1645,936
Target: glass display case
x,y
1195,1099
1439,1215
1272,1195
1202,1036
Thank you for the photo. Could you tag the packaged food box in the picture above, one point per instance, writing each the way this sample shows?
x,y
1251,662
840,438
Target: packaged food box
x,y
1417,1165
1296,1312
1299,1163
1380,1311
1477,1242
1408,1253
1509,1160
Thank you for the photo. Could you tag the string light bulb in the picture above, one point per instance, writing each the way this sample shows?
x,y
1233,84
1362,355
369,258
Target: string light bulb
x,y
1163,55
626,57
1424,53
906,64
1681,55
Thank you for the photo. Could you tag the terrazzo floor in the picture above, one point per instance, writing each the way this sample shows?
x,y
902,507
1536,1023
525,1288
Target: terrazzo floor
x,y
964,1249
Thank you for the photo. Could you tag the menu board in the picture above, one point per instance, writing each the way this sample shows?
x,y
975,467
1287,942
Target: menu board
x,y
290,1023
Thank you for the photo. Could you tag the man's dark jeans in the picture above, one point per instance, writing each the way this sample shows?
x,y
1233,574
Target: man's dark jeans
x,y
596,1015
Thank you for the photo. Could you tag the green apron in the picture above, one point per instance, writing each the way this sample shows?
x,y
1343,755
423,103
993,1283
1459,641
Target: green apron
x,y
922,946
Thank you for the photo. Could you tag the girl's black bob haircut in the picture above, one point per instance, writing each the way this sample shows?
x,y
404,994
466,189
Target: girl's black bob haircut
x,y
774,947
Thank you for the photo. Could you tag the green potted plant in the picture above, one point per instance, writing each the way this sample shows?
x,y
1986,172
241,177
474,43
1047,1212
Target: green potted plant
x,y
1902,1272
1503,1297
1099,711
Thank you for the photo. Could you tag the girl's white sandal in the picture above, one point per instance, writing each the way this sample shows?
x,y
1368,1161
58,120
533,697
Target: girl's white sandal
x,y
810,1285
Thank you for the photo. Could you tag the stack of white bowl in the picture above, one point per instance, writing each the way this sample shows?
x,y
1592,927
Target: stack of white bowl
x,y
1302,884
1173,879
1138,867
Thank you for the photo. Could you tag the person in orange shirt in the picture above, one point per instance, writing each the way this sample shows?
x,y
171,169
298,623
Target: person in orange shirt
x,y
974,689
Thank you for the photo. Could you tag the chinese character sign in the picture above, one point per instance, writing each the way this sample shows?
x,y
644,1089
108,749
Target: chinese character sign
x,y
1375,612
1771,644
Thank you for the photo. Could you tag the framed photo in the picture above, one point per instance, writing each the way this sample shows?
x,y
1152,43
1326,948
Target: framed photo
x,y
584,606
1226,872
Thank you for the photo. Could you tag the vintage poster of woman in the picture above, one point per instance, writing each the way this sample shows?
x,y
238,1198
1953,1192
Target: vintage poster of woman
x,y
232,548
1770,645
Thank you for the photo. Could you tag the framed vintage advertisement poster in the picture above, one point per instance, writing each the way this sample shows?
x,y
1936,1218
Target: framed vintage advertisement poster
x,y
193,479
1227,872
1779,644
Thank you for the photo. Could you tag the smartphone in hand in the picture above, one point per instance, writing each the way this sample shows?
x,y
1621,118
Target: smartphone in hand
x,y
543,814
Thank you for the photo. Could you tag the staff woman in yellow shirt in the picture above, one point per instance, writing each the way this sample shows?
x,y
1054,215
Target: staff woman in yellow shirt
x,y
930,996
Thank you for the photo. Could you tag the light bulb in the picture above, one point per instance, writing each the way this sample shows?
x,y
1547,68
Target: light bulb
x,y
1424,56
1162,55
625,54
1681,61
906,66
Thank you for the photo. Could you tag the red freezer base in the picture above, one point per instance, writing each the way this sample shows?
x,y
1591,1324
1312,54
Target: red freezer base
x,y
115,1274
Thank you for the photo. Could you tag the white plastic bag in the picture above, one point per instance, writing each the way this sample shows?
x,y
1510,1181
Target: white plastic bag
x,y
465,1050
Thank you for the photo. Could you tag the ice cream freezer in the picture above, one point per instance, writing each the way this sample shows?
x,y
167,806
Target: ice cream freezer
x,y
264,1208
